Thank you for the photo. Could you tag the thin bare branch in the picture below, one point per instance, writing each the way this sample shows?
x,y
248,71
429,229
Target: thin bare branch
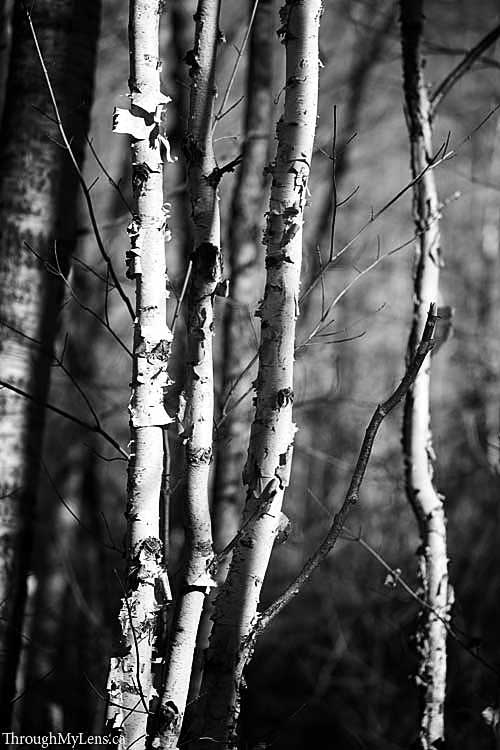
x,y
461,69
352,495
221,113
97,428
81,179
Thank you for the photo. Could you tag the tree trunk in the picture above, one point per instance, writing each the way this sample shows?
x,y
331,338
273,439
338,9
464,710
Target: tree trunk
x,y
244,242
199,395
269,458
426,502
38,189
130,685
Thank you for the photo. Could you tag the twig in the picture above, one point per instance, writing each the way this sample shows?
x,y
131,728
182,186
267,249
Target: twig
x,y
321,325
97,428
60,363
215,177
334,185
136,644
113,547
220,114
181,296
81,179
352,495
108,177
396,576
441,156
56,270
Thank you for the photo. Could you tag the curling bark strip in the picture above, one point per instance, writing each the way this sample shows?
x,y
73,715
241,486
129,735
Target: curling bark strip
x,y
131,694
426,502
38,191
268,463
199,394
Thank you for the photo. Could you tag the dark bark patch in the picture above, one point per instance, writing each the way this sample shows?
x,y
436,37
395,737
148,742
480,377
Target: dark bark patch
x,y
192,150
192,60
275,260
198,456
284,397
207,263
140,176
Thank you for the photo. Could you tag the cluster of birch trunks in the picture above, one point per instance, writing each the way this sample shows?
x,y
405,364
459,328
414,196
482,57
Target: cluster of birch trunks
x,y
176,676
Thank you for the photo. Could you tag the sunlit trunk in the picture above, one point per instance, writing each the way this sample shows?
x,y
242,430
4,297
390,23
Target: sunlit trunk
x,y
197,425
131,694
426,502
271,442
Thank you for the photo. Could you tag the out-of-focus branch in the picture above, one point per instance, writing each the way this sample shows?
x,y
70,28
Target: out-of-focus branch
x,y
461,69
97,427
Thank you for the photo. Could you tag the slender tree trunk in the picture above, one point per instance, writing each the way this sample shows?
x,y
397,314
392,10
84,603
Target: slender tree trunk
x,y
130,685
199,395
244,242
38,189
426,502
269,458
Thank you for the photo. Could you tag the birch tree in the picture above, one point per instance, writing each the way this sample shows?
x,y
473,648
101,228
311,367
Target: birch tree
x,y
197,422
131,692
425,500
271,441
245,274
38,189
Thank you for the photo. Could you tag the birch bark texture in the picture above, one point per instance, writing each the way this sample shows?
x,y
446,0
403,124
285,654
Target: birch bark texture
x,y
238,334
132,696
38,191
425,500
245,275
268,464
206,274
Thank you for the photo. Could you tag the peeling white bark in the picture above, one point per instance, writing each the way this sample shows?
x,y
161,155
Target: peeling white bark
x,y
132,695
199,392
427,503
271,442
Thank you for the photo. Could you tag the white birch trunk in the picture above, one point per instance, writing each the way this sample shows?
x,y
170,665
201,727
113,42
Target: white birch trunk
x,y
245,255
268,464
199,394
427,503
131,693
246,276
